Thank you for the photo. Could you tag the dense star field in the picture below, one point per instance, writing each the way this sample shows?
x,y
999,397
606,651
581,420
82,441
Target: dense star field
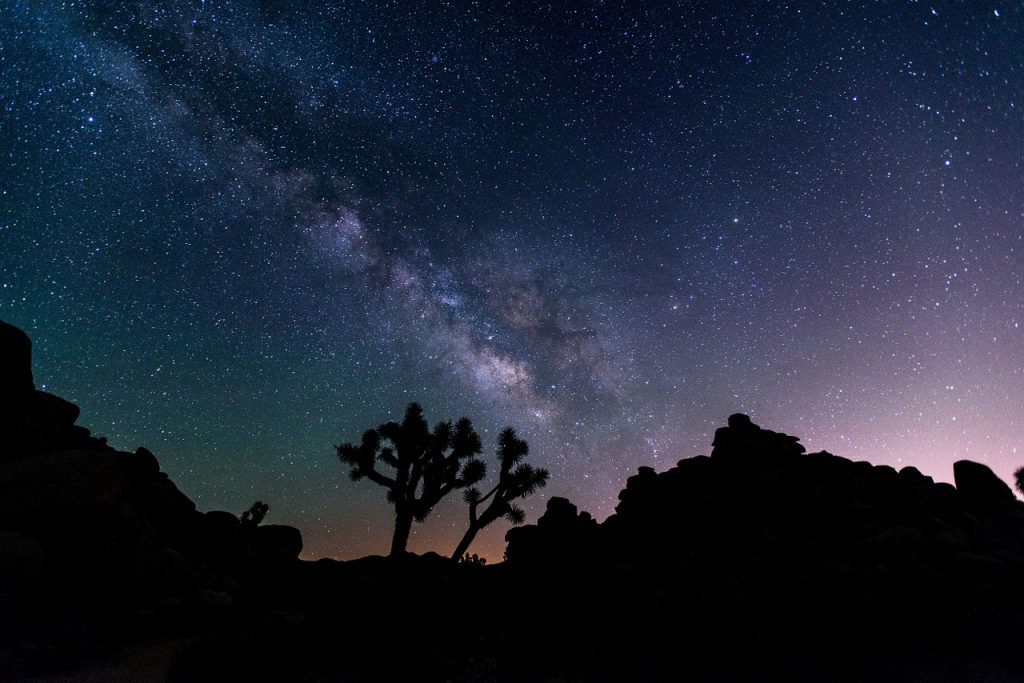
x,y
240,234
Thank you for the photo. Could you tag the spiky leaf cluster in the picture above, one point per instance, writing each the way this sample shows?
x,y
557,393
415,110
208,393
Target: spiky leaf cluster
x,y
515,480
418,466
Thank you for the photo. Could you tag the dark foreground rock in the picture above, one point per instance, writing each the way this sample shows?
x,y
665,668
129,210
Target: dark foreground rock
x,y
762,558
95,540
758,562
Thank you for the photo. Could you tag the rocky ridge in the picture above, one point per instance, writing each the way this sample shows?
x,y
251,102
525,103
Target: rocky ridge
x,y
809,564
760,561
93,535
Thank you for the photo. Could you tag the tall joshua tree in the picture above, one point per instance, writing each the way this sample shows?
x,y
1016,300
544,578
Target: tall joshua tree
x,y
515,480
427,465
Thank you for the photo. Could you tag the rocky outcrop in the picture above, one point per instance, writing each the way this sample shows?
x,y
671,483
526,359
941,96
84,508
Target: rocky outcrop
x,y
763,549
33,421
15,364
561,534
978,484
759,492
104,532
744,438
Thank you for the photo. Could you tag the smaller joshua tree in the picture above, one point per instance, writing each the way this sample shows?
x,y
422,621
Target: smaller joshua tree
x,y
1018,478
515,480
473,560
255,514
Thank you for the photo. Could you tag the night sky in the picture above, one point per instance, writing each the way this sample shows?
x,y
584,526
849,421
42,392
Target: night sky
x,y
240,234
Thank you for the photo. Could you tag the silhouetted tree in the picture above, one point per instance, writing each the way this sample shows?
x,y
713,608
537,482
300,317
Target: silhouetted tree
x,y
255,514
473,560
515,480
1018,478
428,465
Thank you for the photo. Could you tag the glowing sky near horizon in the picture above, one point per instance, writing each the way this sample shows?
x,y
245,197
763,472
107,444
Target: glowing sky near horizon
x,y
240,233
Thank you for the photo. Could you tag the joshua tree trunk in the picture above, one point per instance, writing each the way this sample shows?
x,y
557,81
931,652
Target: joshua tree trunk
x,y
464,544
403,524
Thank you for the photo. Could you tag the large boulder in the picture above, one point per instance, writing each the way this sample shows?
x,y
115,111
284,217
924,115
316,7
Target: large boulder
x,y
142,463
560,513
743,437
16,390
218,532
278,539
32,421
979,484
15,363
562,534
54,411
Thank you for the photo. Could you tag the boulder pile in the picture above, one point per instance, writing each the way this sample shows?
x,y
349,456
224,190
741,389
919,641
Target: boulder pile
x,y
763,555
103,534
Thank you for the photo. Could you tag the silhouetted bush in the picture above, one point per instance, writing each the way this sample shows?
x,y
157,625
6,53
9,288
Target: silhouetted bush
x,y
255,514
473,559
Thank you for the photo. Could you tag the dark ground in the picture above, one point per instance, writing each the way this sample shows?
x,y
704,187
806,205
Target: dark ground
x,y
760,562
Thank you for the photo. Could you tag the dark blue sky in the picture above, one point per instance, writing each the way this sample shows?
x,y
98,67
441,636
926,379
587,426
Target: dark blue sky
x,y
241,233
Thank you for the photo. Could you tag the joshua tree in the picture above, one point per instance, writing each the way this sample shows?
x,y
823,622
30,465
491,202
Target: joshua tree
x,y
515,480
428,465
1018,477
255,514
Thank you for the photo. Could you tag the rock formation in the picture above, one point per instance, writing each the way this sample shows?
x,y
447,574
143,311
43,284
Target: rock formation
x,y
33,421
99,531
761,551
758,562
978,484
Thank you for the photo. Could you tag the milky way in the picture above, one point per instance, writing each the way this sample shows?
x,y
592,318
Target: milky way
x,y
240,234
